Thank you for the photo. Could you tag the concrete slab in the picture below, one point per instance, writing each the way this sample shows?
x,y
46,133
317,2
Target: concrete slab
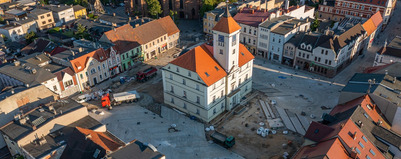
x,y
275,123
267,113
304,121
296,123
270,110
285,119
134,122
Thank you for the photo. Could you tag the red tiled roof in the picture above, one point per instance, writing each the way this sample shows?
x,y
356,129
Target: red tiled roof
x,y
100,139
57,50
200,60
253,19
377,18
373,112
168,24
346,134
123,37
227,25
331,148
60,74
317,131
81,61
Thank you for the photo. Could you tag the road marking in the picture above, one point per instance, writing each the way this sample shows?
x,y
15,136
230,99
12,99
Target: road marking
x,y
299,76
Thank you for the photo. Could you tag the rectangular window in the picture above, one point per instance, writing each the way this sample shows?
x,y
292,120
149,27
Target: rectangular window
x,y
184,94
364,139
372,152
221,51
233,51
197,87
172,100
198,99
357,150
183,82
360,144
172,89
234,41
367,157
55,88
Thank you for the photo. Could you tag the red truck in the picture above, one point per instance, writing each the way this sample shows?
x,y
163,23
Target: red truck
x,y
118,98
146,74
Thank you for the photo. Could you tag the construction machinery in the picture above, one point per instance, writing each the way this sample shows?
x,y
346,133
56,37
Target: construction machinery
x,y
223,140
118,98
147,74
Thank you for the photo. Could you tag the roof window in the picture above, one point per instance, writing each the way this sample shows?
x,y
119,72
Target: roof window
x,y
217,69
206,74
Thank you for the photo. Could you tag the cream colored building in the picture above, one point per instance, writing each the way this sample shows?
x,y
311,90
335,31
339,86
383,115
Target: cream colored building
x,y
208,80
44,18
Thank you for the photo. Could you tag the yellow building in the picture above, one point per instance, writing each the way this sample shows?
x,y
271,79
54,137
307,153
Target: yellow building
x,y
79,11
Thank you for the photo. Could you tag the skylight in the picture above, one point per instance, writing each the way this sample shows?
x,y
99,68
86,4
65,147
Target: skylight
x,y
217,69
206,74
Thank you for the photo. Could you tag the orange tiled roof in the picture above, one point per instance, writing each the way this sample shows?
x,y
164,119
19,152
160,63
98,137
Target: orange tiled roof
x,y
377,18
200,60
123,37
331,148
168,24
100,139
227,25
81,61
244,55
369,26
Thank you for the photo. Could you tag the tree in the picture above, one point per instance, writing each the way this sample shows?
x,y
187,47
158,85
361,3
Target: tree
x,y
80,29
30,37
154,8
207,5
173,15
315,25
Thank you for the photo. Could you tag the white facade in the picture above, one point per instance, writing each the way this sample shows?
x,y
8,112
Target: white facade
x,y
263,41
13,32
385,59
64,16
249,36
186,91
301,13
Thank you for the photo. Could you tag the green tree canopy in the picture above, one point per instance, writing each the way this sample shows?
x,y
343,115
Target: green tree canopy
x,y
154,8
30,37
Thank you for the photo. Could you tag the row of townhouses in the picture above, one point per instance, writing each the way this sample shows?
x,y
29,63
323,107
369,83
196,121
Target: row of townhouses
x,y
364,124
55,71
339,9
20,22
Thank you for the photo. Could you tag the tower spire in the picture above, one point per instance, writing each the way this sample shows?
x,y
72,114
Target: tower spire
x,y
227,13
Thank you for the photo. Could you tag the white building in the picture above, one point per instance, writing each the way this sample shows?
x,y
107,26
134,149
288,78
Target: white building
x,y
389,53
208,80
300,12
62,13
13,32
273,34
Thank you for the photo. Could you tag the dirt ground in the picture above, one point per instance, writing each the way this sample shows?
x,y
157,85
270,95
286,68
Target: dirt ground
x,y
243,127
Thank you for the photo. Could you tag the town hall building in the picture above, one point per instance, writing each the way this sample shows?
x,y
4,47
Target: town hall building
x,y
211,78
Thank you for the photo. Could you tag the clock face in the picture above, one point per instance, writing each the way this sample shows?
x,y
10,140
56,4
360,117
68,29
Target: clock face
x,y
221,38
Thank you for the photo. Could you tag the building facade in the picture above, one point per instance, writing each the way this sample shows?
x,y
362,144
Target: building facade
x,y
44,18
13,32
358,9
62,13
389,53
209,80
79,11
186,9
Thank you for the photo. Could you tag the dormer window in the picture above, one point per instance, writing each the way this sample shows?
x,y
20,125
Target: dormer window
x,y
303,46
309,48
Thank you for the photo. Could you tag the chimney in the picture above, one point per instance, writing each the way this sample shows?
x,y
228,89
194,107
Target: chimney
x,y
354,135
386,72
33,127
287,4
252,11
58,6
136,25
136,17
395,79
250,6
258,8
129,19
80,49
88,136
266,5
7,22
